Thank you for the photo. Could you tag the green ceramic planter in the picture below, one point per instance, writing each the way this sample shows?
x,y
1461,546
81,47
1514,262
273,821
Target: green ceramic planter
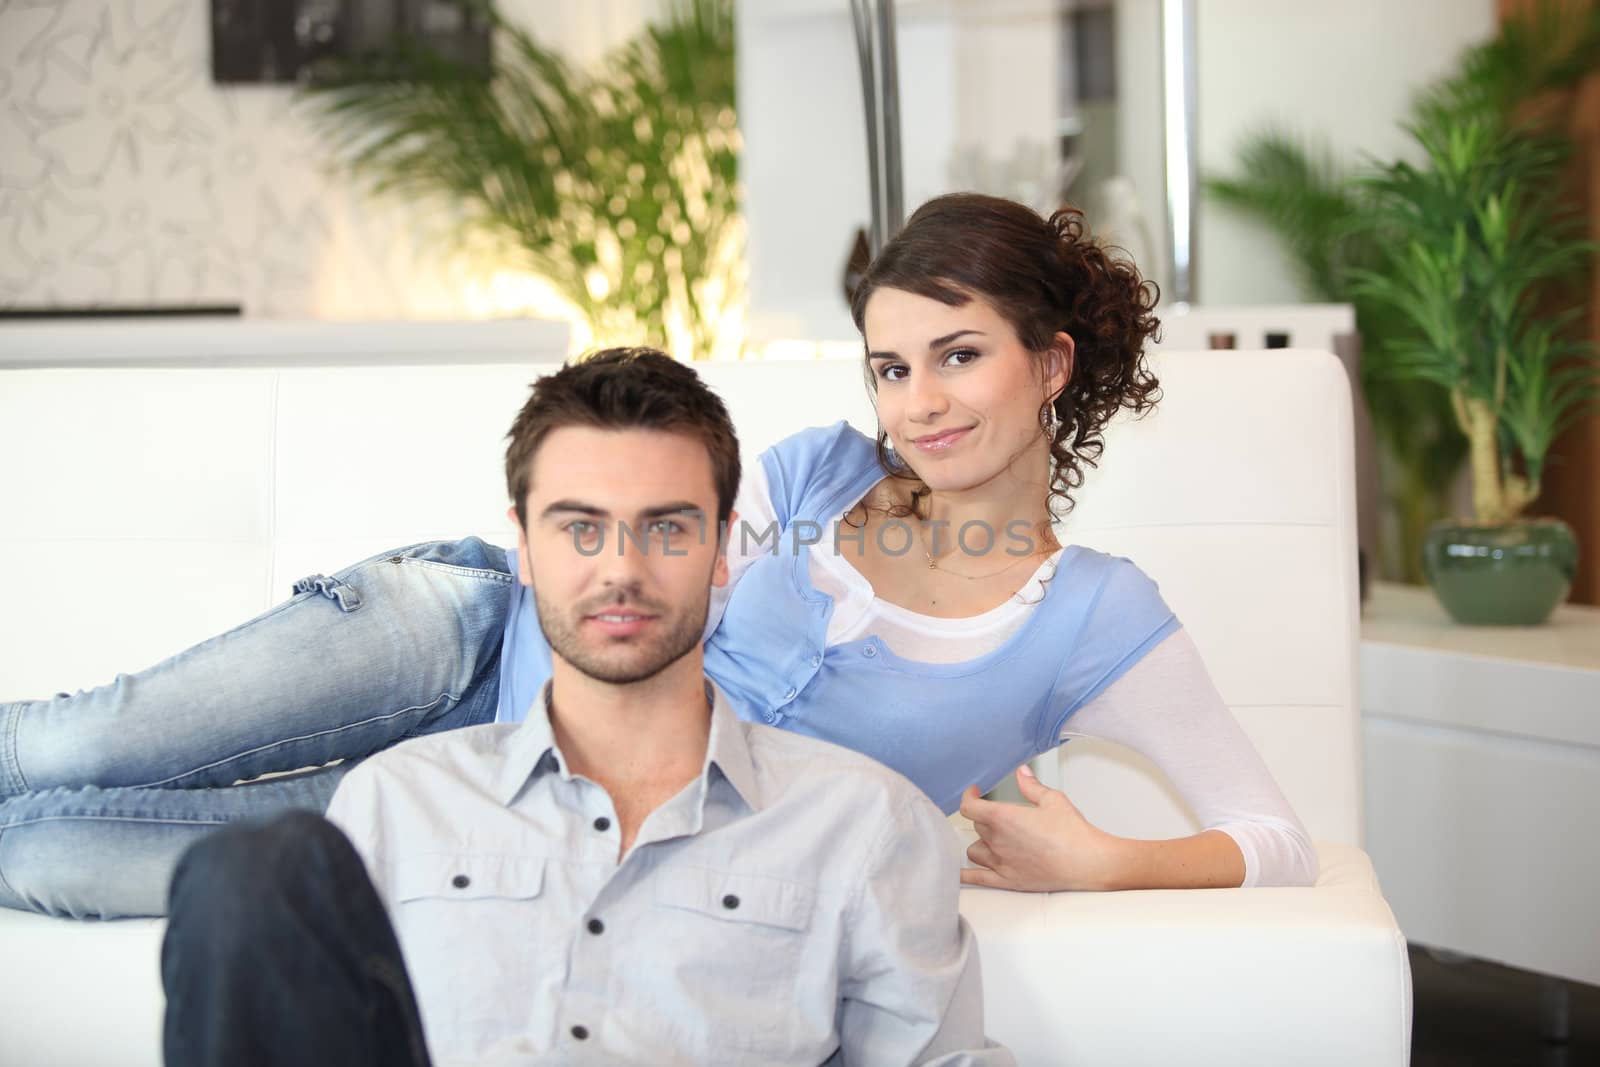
x,y
1513,574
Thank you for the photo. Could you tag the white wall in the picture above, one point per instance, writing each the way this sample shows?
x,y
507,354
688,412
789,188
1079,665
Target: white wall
x,y
982,73
127,177
803,165
802,120
1345,72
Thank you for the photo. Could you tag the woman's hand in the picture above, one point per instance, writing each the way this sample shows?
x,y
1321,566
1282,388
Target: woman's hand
x,y
1043,845
1047,845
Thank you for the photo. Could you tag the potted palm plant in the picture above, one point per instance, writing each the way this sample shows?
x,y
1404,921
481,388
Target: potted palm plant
x,y
1472,239
1449,264
616,185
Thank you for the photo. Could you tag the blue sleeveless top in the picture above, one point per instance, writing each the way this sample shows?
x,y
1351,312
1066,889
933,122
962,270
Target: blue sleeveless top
x,y
944,726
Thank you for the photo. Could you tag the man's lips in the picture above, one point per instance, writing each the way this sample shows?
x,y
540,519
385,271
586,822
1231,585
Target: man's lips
x,y
938,442
620,622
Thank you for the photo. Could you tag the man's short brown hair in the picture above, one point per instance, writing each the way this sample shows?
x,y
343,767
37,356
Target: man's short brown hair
x,y
624,389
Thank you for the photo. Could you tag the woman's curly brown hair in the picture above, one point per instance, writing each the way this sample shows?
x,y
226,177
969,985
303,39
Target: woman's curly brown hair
x,y
1045,276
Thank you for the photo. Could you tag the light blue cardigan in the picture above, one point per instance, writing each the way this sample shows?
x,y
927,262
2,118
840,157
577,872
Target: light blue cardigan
x,y
944,726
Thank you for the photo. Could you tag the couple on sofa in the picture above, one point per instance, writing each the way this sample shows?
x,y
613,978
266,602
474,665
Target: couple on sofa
x,y
998,344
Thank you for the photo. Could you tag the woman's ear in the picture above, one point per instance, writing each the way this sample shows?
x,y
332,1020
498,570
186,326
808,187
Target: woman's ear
x,y
1059,361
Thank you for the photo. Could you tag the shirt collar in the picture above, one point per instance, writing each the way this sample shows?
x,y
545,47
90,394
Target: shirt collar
x,y
532,750
728,748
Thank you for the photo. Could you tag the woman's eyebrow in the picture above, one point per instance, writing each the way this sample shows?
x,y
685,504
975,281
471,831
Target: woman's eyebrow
x,y
940,342
937,342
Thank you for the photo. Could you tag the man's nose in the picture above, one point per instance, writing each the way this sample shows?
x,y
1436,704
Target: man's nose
x,y
626,555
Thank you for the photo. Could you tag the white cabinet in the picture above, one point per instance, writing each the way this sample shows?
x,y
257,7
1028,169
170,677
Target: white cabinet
x,y
1483,780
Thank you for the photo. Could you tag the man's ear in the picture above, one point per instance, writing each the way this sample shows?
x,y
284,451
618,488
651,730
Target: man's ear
x,y
524,575
719,571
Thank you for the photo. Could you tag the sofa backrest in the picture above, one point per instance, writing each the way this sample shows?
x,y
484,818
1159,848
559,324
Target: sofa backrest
x,y
145,509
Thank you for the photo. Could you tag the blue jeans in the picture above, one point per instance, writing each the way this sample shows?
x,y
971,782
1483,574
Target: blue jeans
x,y
101,791
280,954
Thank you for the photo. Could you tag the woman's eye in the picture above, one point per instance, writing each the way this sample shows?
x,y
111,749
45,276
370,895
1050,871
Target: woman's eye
x,y
961,357
894,372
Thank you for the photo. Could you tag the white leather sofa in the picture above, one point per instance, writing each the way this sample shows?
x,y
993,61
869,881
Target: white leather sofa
x,y
147,507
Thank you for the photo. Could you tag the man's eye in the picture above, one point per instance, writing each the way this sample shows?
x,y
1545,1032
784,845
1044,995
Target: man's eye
x,y
581,528
665,526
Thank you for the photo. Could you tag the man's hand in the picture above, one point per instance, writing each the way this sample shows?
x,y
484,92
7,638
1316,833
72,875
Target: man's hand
x,y
1041,846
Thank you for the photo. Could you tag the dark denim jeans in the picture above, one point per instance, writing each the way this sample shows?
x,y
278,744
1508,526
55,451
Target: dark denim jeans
x,y
280,953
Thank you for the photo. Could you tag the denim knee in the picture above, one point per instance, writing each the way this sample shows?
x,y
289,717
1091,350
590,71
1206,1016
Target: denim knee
x,y
64,853
469,553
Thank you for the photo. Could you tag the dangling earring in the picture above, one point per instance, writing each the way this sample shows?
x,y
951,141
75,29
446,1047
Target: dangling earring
x,y
1047,419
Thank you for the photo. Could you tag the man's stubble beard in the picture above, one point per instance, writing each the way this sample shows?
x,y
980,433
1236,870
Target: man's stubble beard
x,y
642,659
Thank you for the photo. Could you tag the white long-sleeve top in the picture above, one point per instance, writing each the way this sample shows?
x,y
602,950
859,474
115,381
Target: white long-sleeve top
x,y
1165,707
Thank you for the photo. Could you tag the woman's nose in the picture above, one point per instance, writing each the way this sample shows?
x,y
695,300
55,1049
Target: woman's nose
x,y
928,398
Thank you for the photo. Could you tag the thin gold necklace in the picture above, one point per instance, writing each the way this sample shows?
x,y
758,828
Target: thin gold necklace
x,y
933,564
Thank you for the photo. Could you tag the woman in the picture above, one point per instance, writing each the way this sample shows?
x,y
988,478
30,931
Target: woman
x,y
998,346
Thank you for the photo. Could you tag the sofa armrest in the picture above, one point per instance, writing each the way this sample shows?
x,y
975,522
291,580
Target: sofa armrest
x,y
1228,977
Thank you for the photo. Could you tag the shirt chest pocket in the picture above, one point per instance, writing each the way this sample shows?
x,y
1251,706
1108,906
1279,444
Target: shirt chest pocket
x,y
476,933
756,941
738,899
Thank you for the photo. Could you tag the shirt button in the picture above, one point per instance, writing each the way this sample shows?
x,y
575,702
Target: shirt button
x,y
789,693
461,881
816,661
602,824
730,902
870,651
581,1033
596,927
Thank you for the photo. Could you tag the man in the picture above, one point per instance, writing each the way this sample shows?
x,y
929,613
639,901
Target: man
x,y
632,875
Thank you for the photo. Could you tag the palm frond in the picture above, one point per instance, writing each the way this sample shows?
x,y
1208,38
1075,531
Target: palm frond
x,y
1299,190
617,185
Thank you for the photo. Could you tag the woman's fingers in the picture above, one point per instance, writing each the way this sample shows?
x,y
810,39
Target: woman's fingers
x,y
982,876
975,808
1028,784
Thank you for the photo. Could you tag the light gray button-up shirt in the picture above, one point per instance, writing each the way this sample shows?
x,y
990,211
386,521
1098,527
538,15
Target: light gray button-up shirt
x,y
794,904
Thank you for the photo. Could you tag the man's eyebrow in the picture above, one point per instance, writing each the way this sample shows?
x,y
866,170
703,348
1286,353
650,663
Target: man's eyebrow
x,y
568,507
682,507
937,342
577,506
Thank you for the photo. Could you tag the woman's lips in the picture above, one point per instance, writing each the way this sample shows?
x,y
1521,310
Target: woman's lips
x,y
940,442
